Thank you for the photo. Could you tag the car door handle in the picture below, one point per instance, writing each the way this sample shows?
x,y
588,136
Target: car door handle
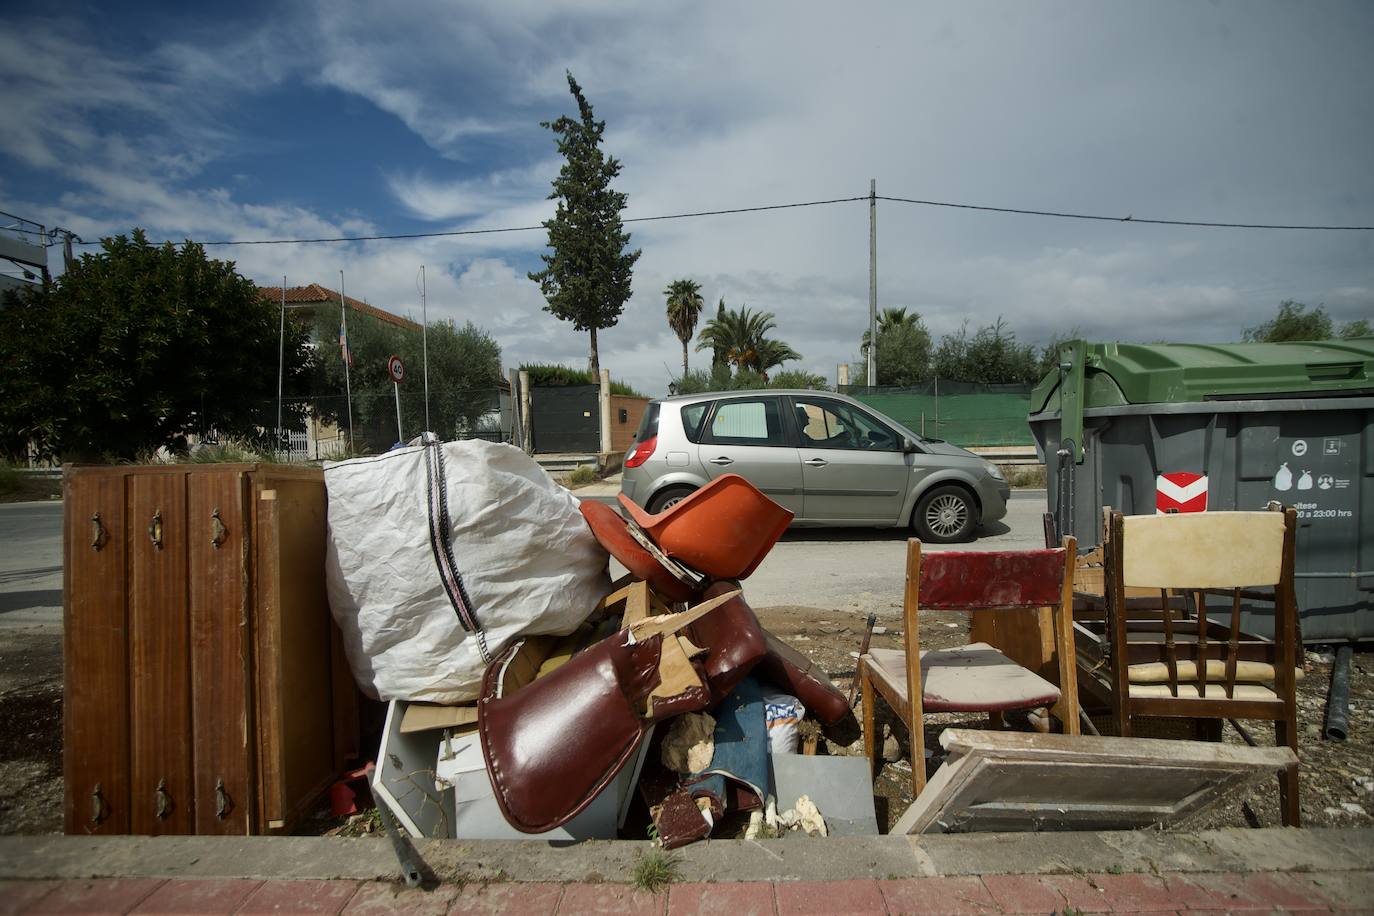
x,y
722,460
816,462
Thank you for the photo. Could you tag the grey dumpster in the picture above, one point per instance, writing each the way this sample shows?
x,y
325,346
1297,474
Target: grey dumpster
x,y
1179,426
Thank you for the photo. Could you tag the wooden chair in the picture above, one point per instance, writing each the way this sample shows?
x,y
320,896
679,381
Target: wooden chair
x,y
975,677
1170,660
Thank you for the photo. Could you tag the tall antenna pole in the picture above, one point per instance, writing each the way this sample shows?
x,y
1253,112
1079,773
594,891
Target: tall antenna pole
x,y
872,282
281,362
424,340
348,384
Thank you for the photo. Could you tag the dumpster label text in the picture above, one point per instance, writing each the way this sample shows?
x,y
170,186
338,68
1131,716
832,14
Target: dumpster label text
x,y
1310,510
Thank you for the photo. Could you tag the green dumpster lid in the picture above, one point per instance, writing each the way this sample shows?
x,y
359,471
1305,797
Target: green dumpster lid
x,y
1120,373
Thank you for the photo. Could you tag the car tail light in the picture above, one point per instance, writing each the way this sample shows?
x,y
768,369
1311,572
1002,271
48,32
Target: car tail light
x,y
641,452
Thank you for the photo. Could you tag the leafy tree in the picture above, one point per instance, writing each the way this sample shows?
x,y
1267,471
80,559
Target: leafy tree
x,y
1295,322
586,279
991,356
684,309
552,375
904,347
1358,328
718,356
464,372
741,337
139,346
798,378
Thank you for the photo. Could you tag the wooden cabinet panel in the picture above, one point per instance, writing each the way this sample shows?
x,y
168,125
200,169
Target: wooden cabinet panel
x,y
220,651
95,737
159,656
294,648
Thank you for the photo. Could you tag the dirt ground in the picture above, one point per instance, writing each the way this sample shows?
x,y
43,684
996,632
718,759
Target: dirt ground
x,y
1337,777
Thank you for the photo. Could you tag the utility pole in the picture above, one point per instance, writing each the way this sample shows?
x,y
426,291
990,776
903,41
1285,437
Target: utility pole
x,y
872,283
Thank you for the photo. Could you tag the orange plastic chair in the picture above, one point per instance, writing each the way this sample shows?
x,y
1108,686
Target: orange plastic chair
x,y
724,530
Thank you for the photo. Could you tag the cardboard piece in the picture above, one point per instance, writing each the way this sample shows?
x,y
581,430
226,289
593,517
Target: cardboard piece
x,y
1012,781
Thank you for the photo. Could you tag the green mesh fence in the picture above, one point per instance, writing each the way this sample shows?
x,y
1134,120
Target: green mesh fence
x,y
963,413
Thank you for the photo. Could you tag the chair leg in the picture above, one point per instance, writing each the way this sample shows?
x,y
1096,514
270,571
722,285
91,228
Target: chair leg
x,y
995,722
870,745
1290,811
916,728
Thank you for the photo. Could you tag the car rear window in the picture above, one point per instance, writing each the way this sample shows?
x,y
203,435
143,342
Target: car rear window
x,y
648,426
746,422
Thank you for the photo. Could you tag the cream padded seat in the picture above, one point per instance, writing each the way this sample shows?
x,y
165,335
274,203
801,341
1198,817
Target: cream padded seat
x,y
972,678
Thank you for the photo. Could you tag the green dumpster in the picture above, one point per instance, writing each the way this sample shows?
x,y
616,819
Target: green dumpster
x,y
1187,427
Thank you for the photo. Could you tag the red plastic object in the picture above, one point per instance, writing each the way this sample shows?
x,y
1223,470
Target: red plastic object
x,y
611,532
724,530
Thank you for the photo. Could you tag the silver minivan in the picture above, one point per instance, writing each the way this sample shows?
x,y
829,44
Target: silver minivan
x,y
826,457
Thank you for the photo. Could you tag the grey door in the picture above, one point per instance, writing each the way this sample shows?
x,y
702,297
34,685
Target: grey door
x,y
853,466
746,436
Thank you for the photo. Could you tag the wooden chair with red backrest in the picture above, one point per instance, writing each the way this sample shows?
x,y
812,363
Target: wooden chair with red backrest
x,y
975,677
1174,660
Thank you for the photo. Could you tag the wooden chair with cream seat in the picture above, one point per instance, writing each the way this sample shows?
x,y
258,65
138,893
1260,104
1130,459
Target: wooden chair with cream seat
x,y
975,677
1180,661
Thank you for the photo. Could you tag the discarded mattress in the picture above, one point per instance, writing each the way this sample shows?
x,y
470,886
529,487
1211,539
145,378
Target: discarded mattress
x,y
439,556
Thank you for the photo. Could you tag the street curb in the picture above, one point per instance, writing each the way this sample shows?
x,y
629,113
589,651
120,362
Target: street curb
x,y
792,859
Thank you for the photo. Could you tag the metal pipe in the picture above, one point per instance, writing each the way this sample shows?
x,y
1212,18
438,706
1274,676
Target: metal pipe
x,y
1338,699
1357,574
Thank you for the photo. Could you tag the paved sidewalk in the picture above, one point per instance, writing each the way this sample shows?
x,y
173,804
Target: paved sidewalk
x,y
1082,893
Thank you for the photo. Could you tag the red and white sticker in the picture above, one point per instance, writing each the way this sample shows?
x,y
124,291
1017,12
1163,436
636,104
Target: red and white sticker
x,y
1180,492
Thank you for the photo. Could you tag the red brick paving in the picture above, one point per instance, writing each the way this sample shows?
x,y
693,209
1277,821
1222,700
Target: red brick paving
x,y
937,895
108,895
1129,893
1023,893
611,899
734,898
525,899
192,897
299,897
834,897
20,896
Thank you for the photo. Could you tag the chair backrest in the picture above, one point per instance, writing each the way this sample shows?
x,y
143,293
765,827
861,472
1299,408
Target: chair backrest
x,y
1202,550
970,580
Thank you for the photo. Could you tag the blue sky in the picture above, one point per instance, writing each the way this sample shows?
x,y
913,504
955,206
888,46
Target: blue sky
x,y
288,120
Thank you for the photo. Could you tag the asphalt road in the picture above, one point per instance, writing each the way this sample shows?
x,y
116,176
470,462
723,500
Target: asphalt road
x,y
31,564
856,570
861,570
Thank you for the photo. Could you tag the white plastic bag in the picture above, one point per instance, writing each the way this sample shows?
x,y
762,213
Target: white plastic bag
x,y
782,713
440,555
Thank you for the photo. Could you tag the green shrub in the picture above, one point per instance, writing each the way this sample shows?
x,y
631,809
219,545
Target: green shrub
x,y
553,375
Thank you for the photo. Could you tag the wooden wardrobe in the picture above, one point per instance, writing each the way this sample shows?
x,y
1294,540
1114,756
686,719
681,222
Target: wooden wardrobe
x,y
205,687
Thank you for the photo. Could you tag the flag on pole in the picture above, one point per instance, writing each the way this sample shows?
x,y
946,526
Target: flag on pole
x,y
346,353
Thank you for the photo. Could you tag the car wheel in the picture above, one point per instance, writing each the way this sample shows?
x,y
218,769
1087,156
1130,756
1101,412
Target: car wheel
x,y
665,499
945,515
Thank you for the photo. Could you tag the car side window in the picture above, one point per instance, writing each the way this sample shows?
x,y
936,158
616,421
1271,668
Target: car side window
x,y
831,424
692,415
752,421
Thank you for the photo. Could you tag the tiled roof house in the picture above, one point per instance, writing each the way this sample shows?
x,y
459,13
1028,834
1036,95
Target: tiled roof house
x,y
314,297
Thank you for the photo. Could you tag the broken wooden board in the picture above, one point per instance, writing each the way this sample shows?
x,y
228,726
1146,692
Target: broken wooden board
x,y
1012,781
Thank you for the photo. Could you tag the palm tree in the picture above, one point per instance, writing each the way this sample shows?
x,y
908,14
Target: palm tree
x,y
890,320
684,308
742,340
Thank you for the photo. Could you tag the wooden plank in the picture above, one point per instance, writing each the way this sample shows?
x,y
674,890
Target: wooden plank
x,y
294,661
159,655
266,631
1018,781
220,651
95,716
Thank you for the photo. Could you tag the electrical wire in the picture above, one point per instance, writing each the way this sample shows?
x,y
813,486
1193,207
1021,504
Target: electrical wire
x,y
1056,214
1122,219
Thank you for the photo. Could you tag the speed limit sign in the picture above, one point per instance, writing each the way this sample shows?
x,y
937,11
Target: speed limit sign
x,y
396,369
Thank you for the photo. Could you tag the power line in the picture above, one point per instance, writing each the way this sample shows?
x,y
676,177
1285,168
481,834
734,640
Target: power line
x,y
1056,214
1122,219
